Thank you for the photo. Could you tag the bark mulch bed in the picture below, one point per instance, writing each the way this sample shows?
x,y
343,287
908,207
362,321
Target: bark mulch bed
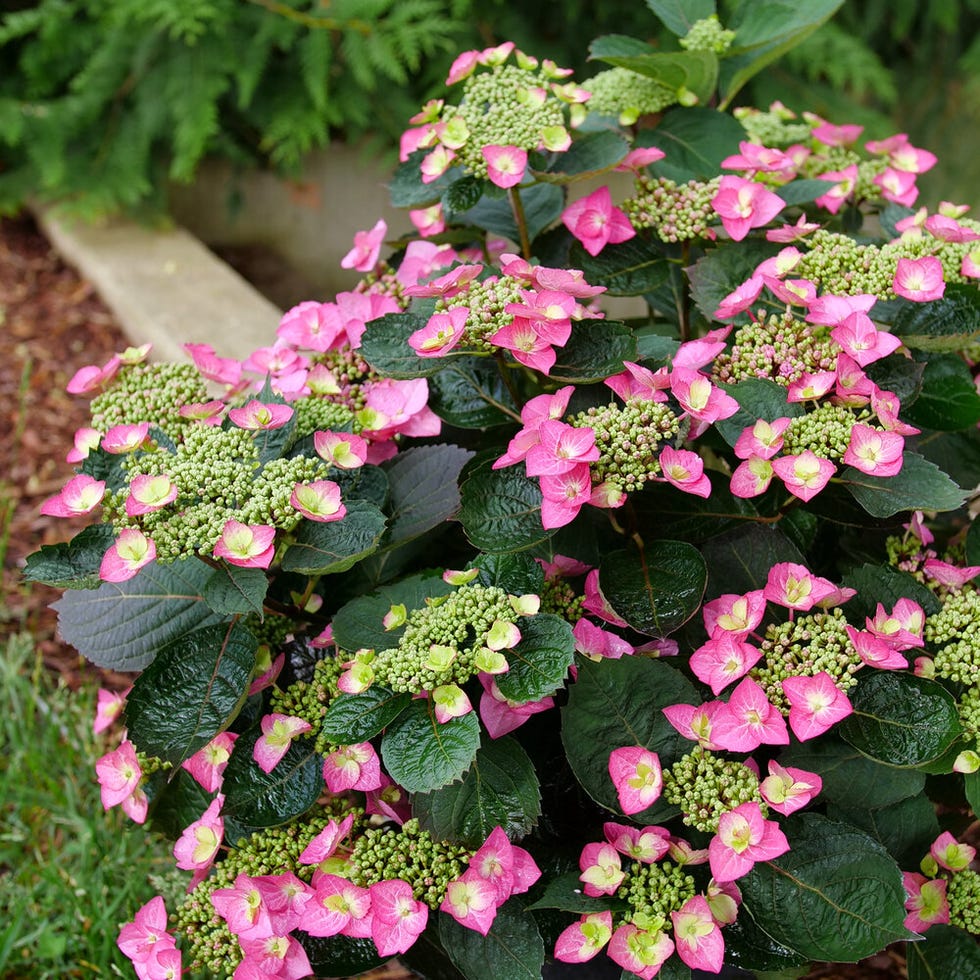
x,y
51,323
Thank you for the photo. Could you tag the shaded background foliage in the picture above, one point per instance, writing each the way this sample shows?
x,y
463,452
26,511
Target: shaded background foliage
x,y
103,103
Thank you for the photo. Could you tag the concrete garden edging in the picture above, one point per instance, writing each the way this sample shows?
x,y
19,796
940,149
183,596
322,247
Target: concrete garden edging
x,y
165,287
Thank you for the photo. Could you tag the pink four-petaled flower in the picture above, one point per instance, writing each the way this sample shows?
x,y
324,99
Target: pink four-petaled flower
x,y
595,222
637,776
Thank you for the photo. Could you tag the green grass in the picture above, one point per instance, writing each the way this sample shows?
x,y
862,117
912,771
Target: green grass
x,y
70,874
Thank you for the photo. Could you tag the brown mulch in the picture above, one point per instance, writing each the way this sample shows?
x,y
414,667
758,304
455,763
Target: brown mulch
x,y
52,323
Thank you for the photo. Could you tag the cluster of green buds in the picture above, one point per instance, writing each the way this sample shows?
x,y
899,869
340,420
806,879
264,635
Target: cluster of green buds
x,y
150,393
337,382
653,891
780,348
211,946
676,212
522,105
445,642
825,430
411,854
776,126
707,34
951,637
559,596
486,302
193,487
628,95
629,438
803,647
705,785
309,699
839,265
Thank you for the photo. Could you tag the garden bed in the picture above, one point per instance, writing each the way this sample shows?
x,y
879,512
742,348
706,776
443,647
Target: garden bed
x,y
55,323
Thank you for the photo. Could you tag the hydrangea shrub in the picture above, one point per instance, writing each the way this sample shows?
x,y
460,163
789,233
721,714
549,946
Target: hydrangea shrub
x,y
474,623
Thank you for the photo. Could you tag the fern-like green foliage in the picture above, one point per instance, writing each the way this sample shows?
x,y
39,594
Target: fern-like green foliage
x,y
102,101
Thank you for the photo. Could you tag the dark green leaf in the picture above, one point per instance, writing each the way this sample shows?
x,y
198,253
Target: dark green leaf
x,y
423,490
232,590
723,269
501,509
359,623
469,393
589,155
564,892
274,443
905,829
884,584
191,691
500,789
364,483
517,573
327,548
353,718
971,785
73,564
949,399
696,71
407,189
539,663
339,956
630,268
972,544
957,454
749,948
739,560
803,191
947,324
765,30
898,374
920,485
462,195
851,778
695,142
255,799
757,399
385,347
944,954
102,465
543,204
177,802
618,45
686,517
596,349
616,703
678,16
901,719
121,626
836,895
511,950
655,346
658,591
421,754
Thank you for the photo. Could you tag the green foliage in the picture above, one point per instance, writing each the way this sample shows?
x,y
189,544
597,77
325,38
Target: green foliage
x,y
808,896
64,861
103,101
475,644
